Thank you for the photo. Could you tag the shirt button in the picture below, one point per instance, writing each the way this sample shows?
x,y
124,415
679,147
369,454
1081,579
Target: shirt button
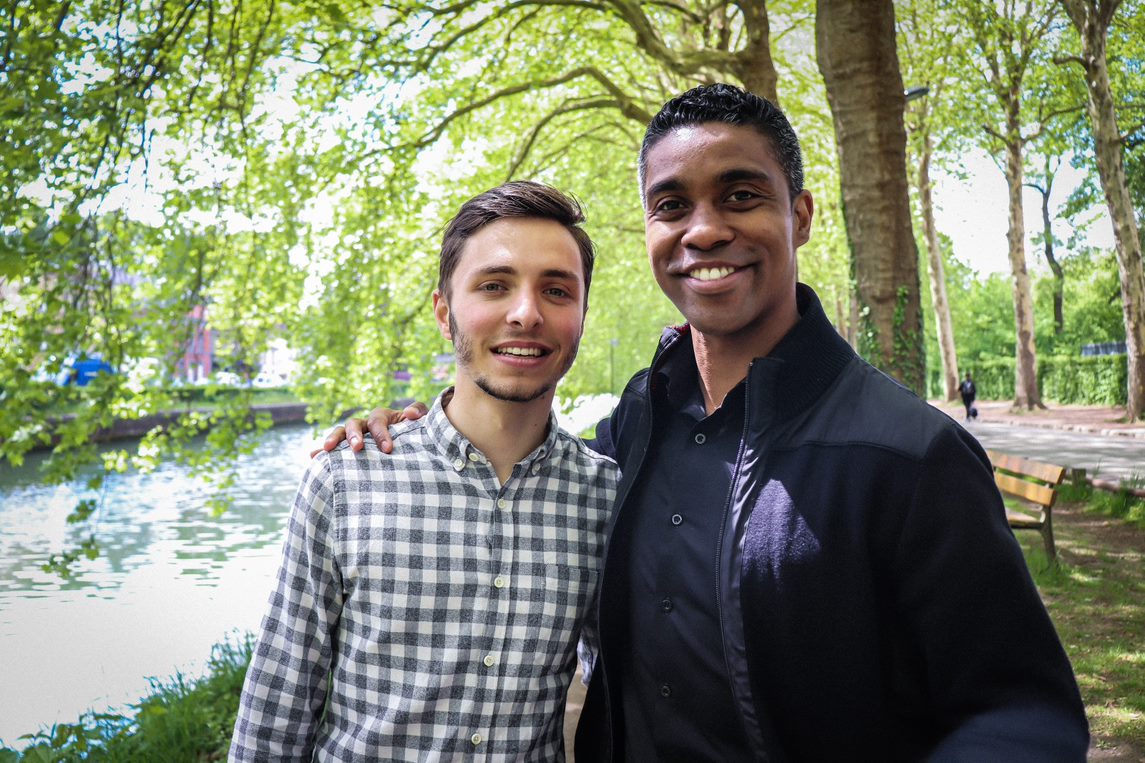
x,y
665,690
488,661
459,464
666,604
677,519
502,503
498,582
474,457
701,439
475,739
536,468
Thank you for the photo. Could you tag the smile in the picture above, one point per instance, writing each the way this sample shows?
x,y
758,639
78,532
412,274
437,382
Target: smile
x,y
711,274
522,352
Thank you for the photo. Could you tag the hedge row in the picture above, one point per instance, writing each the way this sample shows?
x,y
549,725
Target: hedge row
x,y
1068,379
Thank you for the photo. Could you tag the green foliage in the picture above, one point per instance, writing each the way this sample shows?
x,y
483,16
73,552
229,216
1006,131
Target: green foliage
x,y
180,720
1064,379
1098,380
1092,304
299,160
1121,504
981,311
993,377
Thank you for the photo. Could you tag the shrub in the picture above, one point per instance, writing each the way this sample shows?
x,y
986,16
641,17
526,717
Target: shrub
x,y
181,720
1066,379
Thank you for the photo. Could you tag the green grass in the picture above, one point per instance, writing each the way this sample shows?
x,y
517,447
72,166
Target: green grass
x,y
1096,597
181,720
1120,504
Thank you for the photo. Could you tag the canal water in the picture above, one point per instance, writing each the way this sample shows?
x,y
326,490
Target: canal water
x,y
170,581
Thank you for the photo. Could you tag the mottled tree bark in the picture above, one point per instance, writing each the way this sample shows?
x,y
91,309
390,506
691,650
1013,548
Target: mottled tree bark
x,y
753,65
1092,19
855,46
1026,394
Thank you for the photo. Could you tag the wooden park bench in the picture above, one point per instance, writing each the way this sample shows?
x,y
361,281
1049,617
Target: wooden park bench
x,y
1036,484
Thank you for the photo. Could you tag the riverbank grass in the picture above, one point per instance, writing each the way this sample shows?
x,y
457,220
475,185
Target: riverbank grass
x,y
181,720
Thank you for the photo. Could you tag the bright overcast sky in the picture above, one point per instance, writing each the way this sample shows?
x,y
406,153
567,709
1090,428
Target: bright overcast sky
x,y
973,212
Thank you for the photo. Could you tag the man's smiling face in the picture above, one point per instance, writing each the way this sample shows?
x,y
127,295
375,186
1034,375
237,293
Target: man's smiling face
x,y
722,230
515,308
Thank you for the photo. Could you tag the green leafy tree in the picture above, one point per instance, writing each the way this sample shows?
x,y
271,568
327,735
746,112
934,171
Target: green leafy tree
x,y
1092,19
1013,45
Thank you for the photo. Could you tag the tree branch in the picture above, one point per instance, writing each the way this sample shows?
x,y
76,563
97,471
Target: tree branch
x,y
627,106
565,108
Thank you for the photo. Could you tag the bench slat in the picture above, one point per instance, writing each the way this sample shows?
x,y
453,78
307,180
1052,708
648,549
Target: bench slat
x,y
1035,482
1028,467
1030,491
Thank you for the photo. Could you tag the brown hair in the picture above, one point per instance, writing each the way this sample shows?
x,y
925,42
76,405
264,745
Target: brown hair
x,y
520,198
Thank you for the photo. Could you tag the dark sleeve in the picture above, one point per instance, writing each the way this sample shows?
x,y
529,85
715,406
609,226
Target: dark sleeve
x,y
999,678
603,442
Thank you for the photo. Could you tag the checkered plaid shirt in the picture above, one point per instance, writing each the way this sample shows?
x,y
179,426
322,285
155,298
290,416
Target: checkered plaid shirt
x,y
424,611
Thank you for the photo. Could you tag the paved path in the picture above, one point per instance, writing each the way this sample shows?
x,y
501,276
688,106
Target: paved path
x,y
1098,439
1102,456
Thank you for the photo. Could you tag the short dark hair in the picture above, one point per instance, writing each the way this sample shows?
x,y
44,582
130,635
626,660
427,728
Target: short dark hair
x,y
734,106
520,198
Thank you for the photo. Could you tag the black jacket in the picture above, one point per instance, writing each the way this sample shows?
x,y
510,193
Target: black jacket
x,y
874,603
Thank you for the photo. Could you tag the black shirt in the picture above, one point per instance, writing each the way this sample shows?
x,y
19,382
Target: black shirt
x,y
675,686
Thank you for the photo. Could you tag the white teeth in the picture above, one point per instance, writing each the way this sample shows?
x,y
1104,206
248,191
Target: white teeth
x,y
711,274
530,352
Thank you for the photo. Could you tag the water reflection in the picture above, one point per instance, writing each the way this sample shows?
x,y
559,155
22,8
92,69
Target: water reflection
x,y
170,581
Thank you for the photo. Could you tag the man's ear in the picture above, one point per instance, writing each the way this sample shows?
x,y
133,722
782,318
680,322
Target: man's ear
x,y
441,314
803,210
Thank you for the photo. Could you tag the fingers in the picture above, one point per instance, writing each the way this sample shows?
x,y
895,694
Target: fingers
x,y
379,424
414,411
337,435
355,434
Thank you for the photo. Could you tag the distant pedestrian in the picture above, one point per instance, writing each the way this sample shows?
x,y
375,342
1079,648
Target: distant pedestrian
x,y
968,392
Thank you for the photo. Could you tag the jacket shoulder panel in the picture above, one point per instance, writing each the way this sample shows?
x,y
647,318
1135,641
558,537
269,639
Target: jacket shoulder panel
x,y
866,407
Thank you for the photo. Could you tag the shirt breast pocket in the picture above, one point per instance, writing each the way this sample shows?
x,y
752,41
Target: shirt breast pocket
x,y
559,604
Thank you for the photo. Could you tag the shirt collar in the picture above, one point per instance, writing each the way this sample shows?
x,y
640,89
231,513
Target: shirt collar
x,y
455,447
804,363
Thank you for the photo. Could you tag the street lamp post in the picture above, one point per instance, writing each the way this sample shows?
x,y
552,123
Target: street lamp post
x,y
914,93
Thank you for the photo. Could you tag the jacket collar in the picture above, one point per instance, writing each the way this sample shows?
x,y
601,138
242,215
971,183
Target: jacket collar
x,y
795,373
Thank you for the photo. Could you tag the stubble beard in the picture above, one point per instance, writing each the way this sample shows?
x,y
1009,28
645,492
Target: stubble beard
x,y
463,350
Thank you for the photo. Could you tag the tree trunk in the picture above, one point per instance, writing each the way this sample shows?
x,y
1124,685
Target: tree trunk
x,y
937,276
754,65
1093,23
1026,361
855,47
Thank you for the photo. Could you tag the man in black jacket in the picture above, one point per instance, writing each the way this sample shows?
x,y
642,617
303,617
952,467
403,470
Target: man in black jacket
x,y
968,392
807,562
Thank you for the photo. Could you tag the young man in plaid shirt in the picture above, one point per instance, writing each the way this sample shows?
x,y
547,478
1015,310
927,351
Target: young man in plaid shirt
x,y
429,602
